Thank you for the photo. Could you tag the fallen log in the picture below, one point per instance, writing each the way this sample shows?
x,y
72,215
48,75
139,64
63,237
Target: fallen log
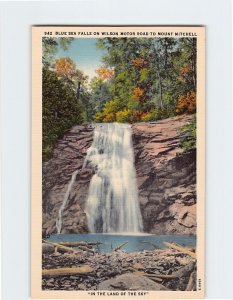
x,y
186,270
191,249
191,282
152,244
83,248
69,249
178,274
162,276
180,249
159,280
76,244
67,271
64,248
119,247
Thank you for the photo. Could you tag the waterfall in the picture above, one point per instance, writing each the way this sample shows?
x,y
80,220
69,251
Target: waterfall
x,y
64,202
112,205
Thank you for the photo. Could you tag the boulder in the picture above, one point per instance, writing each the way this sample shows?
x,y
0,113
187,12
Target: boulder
x,y
131,282
46,248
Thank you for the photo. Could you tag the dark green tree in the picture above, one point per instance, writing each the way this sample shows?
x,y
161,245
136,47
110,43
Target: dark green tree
x,y
50,47
61,110
100,93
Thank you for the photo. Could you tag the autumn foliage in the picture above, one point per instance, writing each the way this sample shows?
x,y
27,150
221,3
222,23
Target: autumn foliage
x,y
64,66
139,80
139,63
187,103
153,79
105,73
184,73
138,94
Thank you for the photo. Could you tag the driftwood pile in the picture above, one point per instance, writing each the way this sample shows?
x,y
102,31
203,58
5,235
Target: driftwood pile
x,y
78,266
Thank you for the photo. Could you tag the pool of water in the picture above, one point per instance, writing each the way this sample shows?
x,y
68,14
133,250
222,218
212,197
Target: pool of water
x,y
135,242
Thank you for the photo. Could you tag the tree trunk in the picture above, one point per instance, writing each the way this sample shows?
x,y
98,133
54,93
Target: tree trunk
x,y
78,89
121,246
160,90
181,249
61,247
194,53
67,271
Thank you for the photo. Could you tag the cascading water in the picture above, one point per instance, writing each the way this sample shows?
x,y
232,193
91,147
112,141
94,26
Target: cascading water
x,y
112,205
64,202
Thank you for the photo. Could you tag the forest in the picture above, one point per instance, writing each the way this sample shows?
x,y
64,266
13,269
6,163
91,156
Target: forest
x,y
139,80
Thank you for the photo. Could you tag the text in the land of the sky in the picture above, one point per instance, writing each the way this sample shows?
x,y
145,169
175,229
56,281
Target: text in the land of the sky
x,y
115,293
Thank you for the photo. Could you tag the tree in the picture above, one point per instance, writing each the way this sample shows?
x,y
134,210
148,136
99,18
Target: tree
x,y
105,73
66,68
100,93
187,103
50,47
151,74
102,88
61,110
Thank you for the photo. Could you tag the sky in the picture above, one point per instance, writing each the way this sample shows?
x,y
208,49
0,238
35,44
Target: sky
x,y
85,54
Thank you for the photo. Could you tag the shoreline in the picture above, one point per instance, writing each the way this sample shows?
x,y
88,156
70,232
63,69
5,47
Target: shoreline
x,y
159,269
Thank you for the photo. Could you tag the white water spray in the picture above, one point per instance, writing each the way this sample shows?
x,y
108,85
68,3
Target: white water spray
x,y
112,205
64,202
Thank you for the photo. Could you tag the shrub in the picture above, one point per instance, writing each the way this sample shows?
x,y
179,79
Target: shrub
x,y
125,116
110,117
109,112
138,94
139,63
148,116
188,136
187,103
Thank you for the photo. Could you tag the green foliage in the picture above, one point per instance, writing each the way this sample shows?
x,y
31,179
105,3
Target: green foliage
x,y
155,114
141,80
125,116
144,74
152,76
100,93
61,110
188,136
150,116
109,112
50,47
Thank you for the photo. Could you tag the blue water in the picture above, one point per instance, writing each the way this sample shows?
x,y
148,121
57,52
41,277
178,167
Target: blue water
x,y
135,242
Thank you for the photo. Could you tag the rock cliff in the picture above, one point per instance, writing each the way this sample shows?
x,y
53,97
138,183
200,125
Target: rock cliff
x,y
166,179
68,156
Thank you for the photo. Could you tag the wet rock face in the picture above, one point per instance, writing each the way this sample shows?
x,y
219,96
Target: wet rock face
x,y
166,179
68,156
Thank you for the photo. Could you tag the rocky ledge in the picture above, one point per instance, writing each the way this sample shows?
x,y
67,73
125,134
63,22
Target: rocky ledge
x,y
166,179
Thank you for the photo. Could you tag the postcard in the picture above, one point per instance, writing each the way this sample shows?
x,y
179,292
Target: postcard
x,y
118,156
